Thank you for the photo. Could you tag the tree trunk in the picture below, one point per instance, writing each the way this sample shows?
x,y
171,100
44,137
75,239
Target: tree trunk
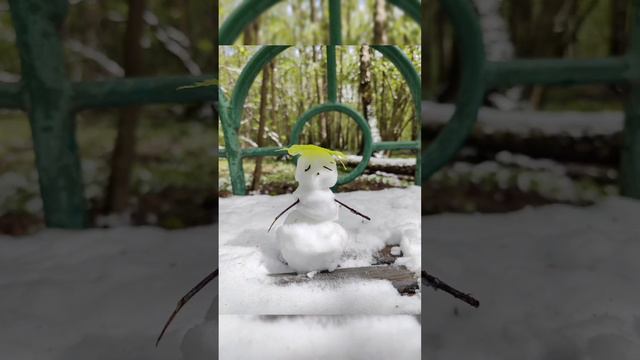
x,y
214,26
301,89
619,27
264,93
312,16
124,151
366,93
274,122
323,134
250,35
379,22
347,12
186,19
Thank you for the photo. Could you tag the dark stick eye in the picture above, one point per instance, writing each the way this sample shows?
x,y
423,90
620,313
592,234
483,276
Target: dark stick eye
x,y
328,168
308,167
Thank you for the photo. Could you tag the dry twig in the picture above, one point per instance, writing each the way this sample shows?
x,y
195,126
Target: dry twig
x,y
438,284
186,299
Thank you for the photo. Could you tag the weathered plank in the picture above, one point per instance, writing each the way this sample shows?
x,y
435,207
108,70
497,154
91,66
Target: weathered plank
x,y
404,280
384,256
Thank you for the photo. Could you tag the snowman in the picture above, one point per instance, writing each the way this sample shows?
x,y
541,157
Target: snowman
x,y
310,238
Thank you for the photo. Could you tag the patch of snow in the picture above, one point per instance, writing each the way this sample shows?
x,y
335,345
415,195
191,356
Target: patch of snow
x,y
101,293
551,183
524,161
114,220
319,337
570,123
383,161
555,282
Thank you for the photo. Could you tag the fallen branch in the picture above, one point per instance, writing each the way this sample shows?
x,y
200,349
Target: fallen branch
x,y
438,284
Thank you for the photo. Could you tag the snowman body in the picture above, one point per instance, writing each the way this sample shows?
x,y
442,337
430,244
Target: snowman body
x,y
310,238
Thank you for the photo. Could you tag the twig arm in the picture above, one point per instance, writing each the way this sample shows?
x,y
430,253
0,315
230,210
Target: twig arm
x,y
282,213
353,210
438,284
186,299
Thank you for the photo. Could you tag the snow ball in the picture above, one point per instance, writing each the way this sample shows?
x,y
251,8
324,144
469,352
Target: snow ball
x,y
312,247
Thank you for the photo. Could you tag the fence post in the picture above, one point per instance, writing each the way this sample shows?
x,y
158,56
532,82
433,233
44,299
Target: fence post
x,y
332,82
48,96
630,167
335,23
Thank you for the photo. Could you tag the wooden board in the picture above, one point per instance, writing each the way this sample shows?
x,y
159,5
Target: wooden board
x,y
405,281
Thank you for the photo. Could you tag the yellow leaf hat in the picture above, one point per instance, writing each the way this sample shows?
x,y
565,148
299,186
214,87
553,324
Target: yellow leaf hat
x,y
314,152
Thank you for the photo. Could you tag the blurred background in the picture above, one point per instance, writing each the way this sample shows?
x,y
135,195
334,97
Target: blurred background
x,y
532,145
171,180
307,22
293,83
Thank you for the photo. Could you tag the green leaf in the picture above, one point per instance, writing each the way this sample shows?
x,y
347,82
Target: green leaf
x,y
205,83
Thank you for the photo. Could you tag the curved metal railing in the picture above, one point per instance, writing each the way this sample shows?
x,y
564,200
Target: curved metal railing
x,y
231,112
478,75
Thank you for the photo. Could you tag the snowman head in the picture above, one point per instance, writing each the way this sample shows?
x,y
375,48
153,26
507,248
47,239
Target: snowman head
x,y
316,168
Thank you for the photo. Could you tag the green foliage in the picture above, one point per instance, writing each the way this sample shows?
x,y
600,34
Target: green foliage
x,y
300,82
206,83
582,29
99,27
171,155
289,22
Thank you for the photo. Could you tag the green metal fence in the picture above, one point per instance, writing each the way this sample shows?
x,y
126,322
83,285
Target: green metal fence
x,y
249,10
231,112
51,101
478,75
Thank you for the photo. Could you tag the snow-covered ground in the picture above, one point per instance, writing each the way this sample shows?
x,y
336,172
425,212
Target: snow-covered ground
x,y
320,337
102,293
556,282
248,254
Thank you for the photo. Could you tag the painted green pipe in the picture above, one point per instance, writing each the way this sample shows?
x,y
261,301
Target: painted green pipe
x,y
469,39
332,82
412,78
335,25
11,96
48,102
141,91
556,72
630,160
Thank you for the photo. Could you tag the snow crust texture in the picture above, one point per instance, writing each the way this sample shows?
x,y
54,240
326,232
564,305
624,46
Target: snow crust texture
x,y
319,337
101,294
556,282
